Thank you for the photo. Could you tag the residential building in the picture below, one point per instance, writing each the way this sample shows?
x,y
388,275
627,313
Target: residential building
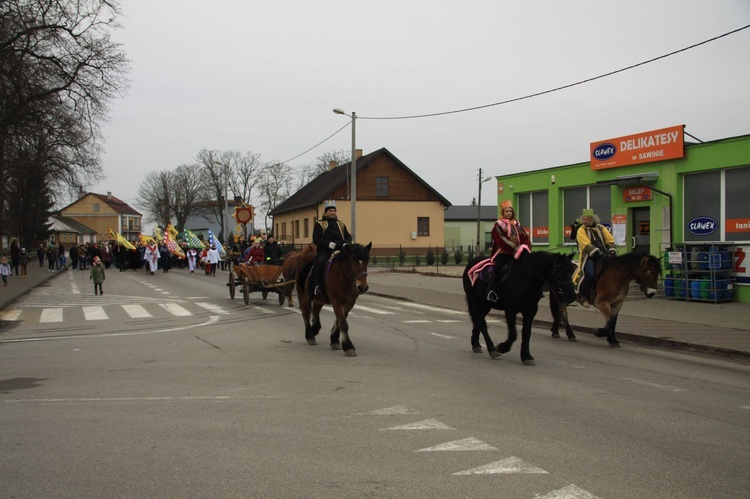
x,y
103,212
462,223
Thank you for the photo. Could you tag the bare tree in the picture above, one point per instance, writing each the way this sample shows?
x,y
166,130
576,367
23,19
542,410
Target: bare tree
x,y
154,196
274,184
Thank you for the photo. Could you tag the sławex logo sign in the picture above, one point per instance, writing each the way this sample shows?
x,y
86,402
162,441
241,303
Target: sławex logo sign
x,y
645,147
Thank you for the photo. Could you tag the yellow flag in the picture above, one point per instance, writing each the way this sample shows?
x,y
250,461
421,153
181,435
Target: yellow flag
x,y
124,242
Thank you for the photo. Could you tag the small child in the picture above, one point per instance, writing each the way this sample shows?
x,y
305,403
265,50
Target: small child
x,y
97,274
23,262
4,270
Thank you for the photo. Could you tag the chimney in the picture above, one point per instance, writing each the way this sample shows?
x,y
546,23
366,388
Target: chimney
x,y
357,153
109,194
81,192
332,164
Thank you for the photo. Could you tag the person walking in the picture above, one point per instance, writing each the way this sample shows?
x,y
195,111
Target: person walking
x,y
52,260
151,257
15,254
23,261
329,235
509,241
594,242
73,254
192,257
40,253
213,260
97,275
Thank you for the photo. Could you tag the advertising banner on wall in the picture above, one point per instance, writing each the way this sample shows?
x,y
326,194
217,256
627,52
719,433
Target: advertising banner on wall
x,y
645,147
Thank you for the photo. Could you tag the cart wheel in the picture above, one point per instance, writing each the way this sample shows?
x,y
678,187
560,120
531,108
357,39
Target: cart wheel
x,y
282,297
264,294
246,293
231,285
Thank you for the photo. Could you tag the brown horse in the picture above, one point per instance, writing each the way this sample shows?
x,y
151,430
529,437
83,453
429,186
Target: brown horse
x,y
289,270
344,279
609,292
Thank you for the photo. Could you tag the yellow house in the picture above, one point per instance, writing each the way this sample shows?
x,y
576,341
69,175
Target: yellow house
x,y
395,208
101,212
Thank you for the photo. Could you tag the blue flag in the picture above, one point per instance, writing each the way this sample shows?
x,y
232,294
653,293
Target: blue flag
x,y
213,240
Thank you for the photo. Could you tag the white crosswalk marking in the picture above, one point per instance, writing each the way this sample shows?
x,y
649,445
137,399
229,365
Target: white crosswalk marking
x,y
361,308
94,313
51,315
10,315
212,308
175,309
136,311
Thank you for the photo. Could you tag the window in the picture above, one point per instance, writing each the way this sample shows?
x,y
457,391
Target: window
x,y
711,193
381,187
296,229
96,207
283,229
575,200
306,227
423,226
533,213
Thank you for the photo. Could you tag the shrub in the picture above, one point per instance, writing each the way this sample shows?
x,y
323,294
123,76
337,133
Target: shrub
x,y
458,256
401,257
430,258
444,257
374,260
417,261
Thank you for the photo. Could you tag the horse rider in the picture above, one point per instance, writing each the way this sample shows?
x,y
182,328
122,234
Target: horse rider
x,y
329,235
274,253
509,241
594,241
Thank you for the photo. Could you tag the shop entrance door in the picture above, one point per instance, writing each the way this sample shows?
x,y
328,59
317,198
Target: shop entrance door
x,y
640,242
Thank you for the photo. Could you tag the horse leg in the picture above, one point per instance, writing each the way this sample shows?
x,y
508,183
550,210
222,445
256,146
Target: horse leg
x,y
510,319
560,317
528,320
611,339
342,328
478,310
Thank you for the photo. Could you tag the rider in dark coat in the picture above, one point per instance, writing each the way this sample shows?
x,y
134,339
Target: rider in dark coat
x,y
274,253
329,235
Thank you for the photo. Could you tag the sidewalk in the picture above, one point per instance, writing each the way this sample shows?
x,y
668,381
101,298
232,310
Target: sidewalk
x,y
720,328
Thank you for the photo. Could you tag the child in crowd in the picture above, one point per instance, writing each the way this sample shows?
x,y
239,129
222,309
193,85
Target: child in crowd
x,y
5,270
97,275
23,262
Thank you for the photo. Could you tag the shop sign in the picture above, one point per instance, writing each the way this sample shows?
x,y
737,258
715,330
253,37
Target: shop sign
x,y
543,231
645,147
633,194
500,188
736,225
702,226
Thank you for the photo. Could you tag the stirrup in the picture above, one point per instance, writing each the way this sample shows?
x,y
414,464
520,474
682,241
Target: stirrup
x,y
492,296
318,290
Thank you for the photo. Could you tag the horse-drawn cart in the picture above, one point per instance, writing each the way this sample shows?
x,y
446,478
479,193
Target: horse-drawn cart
x,y
253,278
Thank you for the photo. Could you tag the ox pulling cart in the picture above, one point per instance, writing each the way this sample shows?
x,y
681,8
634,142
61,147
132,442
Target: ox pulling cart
x,y
257,278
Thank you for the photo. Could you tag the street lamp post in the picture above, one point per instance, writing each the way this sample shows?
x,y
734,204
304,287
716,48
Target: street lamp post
x,y
353,193
479,207
227,235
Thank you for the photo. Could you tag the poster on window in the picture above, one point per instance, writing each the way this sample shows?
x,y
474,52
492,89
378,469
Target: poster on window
x,y
619,229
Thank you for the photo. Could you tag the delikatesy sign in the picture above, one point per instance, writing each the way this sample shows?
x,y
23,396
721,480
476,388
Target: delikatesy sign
x,y
646,147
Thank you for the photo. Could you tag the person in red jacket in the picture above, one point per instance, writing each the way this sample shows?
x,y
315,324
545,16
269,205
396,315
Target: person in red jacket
x,y
255,254
509,241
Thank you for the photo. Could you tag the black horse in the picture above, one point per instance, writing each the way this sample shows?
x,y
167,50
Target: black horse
x,y
609,292
519,292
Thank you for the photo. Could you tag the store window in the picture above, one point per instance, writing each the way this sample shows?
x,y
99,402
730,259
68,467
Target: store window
x,y
706,194
576,199
533,213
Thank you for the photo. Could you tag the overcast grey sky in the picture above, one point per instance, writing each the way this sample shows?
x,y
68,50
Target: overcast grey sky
x,y
265,76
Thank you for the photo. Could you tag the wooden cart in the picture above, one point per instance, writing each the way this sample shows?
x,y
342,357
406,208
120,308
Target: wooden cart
x,y
253,278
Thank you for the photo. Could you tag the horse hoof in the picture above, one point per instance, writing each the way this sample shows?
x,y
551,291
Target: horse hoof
x,y
477,349
529,362
312,341
494,355
573,339
555,335
601,333
335,346
614,345
503,348
351,353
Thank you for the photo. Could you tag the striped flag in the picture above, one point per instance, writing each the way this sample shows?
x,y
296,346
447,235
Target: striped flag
x,y
171,243
193,240
213,240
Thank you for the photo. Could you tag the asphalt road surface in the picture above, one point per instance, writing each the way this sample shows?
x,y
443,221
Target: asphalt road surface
x,y
164,387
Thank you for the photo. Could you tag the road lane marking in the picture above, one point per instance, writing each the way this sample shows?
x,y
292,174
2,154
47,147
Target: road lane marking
x,y
51,315
434,309
654,385
425,424
212,308
136,311
115,399
470,443
362,308
10,315
443,336
94,313
175,309
508,465
390,411
421,321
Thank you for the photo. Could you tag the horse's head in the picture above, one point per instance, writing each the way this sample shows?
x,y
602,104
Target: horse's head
x,y
562,279
647,275
359,256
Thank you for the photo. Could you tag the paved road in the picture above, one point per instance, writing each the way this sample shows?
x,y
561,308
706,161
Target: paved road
x,y
227,400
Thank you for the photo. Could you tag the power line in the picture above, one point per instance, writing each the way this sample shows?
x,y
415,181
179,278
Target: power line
x,y
316,145
475,108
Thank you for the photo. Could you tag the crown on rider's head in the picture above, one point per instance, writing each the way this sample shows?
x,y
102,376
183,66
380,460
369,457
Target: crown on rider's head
x,y
506,204
587,212
329,203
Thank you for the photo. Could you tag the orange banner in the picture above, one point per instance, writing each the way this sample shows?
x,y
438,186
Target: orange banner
x,y
645,147
737,225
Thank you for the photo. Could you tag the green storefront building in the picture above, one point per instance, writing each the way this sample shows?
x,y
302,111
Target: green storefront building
x,y
686,202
